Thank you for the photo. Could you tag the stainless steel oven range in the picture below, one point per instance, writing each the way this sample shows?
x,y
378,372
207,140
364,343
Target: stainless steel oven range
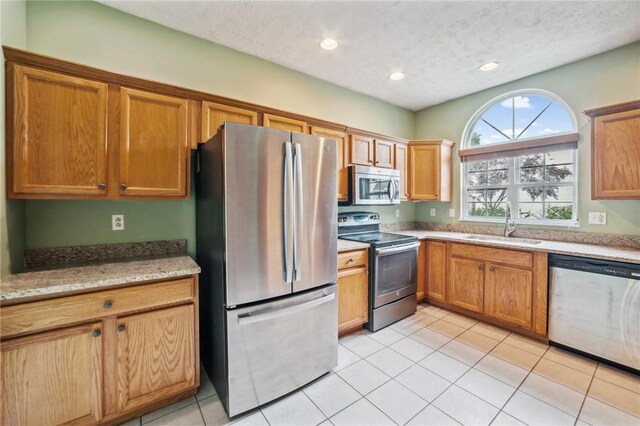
x,y
393,262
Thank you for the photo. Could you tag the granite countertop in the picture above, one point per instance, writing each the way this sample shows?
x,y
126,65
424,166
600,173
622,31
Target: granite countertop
x,y
344,245
95,276
619,254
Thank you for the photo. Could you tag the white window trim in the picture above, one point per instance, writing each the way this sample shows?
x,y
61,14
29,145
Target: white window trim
x,y
512,185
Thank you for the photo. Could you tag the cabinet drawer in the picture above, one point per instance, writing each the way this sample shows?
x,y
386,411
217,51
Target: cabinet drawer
x,y
19,319
511,257
349,259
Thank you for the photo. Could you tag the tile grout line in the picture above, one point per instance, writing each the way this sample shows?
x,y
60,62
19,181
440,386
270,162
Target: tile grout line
x,y
586,394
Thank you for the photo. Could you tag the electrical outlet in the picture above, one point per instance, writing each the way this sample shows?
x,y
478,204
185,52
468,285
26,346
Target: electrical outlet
x,y
432,211
397,212
117,222
597,218
452,212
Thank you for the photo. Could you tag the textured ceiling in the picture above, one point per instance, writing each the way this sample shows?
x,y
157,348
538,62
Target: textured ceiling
x,y
438,45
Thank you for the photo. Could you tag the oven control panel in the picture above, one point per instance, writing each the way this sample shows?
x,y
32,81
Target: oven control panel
x,y
358,218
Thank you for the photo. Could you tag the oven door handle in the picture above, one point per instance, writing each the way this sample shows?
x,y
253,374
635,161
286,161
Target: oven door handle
x,y
407,247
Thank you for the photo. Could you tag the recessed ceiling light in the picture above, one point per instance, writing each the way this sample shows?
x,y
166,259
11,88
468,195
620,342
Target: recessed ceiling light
x,y
489,66
328,44
396,76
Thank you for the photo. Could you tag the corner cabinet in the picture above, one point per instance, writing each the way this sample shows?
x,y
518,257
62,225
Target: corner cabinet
x,y
76,138
615,152
401,164
430,170
101,357
353,290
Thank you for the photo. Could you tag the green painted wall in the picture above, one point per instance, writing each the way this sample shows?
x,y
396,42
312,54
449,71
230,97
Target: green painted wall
x,y
608,78
12,224
96,35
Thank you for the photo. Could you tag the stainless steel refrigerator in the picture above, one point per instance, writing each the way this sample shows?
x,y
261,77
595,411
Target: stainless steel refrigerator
x,y
266,242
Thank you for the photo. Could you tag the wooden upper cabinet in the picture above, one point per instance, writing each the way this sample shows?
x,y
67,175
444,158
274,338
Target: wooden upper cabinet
x,y
56,135
156,356
436,255
53,378
466,284
615,151
214,115
284,123
342,141
361,150
154,145
508,294
401,163
430,170
384,153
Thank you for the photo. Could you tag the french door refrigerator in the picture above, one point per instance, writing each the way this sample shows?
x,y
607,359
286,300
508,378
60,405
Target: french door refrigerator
x,y
266,242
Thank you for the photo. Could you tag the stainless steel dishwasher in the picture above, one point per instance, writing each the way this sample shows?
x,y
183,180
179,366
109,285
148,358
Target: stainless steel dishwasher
x,y
594,307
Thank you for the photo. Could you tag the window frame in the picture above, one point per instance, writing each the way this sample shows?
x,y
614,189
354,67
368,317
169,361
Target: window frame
x,y
512,185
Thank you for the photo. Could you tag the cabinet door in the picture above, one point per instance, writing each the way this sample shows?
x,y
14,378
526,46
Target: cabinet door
x,y
353,298
421,275
156,356
509,291
53,378
424,172
154,148
214,115
361,150
466,284
436,255
283,123
342,142
616,156
401,165
384,152
58,145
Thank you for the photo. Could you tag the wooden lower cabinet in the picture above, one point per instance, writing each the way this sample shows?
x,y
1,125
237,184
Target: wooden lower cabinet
x,y
53,377
508,294
116,366
436,260
421,275
155,355
502,286
353,294
466,284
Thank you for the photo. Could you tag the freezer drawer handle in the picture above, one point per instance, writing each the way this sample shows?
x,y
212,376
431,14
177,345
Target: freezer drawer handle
x,y
275,313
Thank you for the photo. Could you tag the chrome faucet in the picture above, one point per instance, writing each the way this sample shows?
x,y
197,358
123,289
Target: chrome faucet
x,y
509,228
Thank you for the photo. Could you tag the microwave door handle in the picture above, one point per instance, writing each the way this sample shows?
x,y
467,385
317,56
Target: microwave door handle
x,y
390,190
287,208
298,214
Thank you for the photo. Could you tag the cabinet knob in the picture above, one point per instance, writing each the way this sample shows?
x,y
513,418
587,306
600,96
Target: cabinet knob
x,y
107,304
436,194
492,269
121,328
96,333
123,186
102,186
481,267
350,260
377,162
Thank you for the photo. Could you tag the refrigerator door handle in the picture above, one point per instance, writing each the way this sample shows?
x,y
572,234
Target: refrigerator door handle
x,y
298,215
268,314
288,234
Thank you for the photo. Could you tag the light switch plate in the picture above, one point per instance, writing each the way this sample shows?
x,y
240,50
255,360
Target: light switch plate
x,y
452,212
397,212
597,218
432,211
117,222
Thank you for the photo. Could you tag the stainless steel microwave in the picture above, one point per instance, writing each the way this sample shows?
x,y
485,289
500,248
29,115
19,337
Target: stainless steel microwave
x,y
372,186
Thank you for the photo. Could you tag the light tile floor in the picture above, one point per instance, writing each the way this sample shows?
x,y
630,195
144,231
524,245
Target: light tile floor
x,y
438,368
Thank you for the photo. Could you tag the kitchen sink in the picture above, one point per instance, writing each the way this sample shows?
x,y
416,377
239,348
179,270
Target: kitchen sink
x,y
505,239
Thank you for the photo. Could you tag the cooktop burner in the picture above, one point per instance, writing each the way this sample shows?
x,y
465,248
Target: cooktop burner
x,y
379,238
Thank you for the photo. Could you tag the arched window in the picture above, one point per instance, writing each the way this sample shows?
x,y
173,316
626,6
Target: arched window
x,y
521,148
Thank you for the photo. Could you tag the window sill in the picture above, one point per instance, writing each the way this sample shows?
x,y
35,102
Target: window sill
x,y
501,221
